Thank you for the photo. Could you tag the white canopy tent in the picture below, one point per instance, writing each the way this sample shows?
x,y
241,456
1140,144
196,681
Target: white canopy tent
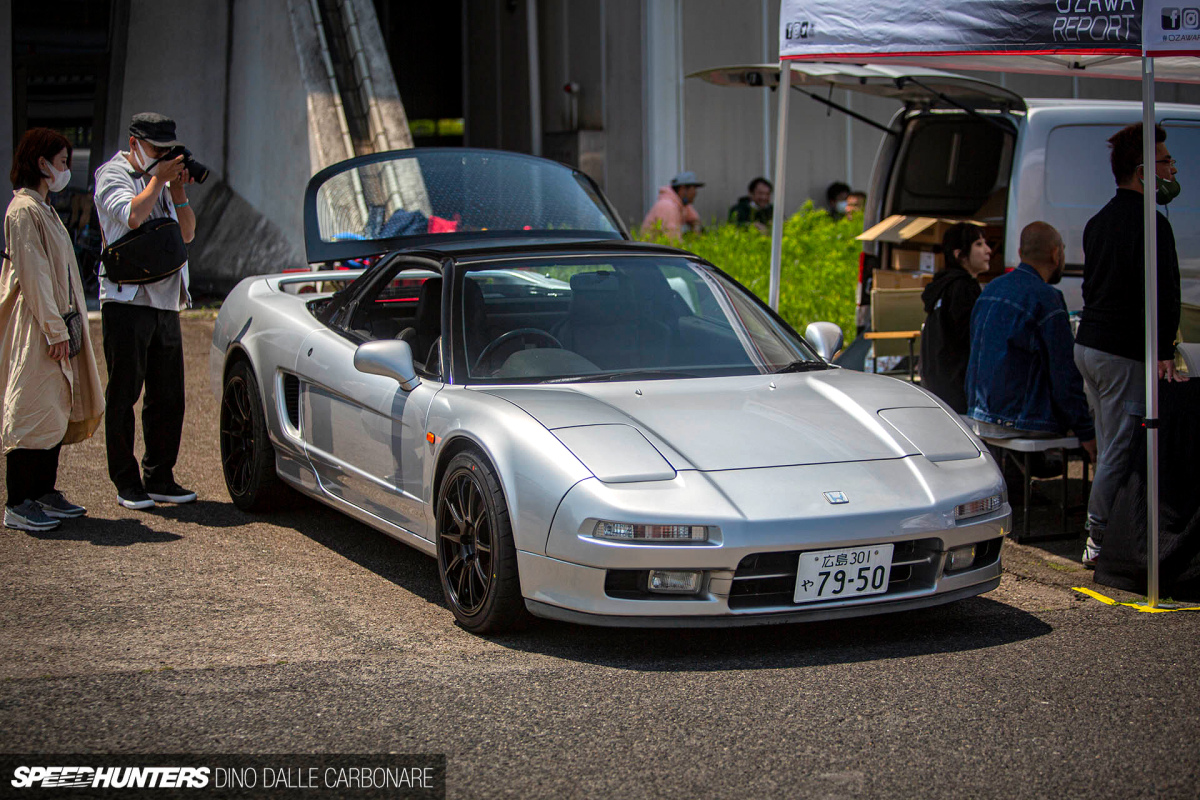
x,y
1100,38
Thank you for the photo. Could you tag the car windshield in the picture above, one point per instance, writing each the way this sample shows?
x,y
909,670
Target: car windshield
x,y
422,192
622,317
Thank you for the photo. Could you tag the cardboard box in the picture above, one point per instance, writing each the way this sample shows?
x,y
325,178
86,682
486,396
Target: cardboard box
x,y
895,279
899,229
914,260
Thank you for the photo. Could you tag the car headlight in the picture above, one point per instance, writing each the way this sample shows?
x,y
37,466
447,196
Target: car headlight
x,y
977,508
630,532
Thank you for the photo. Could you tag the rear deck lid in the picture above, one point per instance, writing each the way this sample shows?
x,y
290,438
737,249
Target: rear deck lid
x,y
405,199
915,87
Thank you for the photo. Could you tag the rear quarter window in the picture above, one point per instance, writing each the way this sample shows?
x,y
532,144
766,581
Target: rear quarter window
x,y
1078,171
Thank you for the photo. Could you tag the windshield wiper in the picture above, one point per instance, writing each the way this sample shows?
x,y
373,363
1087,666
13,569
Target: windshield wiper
x,y
802,366
623,376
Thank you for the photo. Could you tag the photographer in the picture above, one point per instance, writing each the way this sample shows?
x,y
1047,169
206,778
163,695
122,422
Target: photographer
x,y
140,322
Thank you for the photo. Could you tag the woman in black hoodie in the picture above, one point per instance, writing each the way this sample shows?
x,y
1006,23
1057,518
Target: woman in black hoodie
x,y
949,299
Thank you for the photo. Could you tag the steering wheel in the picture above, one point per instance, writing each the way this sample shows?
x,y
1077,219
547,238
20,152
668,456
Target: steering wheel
x,y
516,333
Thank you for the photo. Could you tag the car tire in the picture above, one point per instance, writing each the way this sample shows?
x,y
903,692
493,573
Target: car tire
x,y
247,455
476,554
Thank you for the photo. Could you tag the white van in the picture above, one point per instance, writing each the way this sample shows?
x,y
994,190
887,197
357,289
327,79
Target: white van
x,y
963,148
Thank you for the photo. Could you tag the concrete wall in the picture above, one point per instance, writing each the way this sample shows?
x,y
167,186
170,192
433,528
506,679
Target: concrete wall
x,y
730,134
628,56
496,76
268,117
253,137
624,107
175,65
597,44
723,127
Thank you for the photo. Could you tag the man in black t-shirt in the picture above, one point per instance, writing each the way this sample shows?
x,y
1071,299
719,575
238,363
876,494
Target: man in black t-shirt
x,y
1110,342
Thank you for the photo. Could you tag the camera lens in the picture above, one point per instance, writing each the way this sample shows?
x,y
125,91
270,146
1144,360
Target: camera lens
x,y
198,171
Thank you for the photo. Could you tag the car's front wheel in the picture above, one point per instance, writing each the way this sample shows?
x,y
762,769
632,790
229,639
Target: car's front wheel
x,y
247,455
477,558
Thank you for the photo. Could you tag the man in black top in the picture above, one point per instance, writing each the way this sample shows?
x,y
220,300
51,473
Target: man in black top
x,y
1110,342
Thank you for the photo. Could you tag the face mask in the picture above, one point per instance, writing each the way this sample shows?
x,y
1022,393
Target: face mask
x,y
1165,190
840,207
58,180
145,163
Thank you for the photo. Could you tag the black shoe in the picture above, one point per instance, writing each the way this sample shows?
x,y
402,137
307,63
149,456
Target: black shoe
x,y
171,493
56,506
137,499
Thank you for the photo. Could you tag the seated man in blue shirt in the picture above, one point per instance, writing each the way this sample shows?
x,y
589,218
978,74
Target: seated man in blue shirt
x,y
1021,378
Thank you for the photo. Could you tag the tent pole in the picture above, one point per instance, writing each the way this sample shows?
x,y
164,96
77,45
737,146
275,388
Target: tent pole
x,y
785,91
1150,218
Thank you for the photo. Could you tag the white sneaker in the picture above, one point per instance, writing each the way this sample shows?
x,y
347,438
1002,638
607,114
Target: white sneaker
x,y
28,516
1091,552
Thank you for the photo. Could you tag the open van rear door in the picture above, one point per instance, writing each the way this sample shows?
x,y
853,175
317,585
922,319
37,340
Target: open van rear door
x,y
915,87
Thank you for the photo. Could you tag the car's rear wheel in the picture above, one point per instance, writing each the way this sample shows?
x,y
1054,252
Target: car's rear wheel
x,y
477,558
247,455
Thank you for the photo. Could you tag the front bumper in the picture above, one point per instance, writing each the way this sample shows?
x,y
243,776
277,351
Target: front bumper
x,y
732,621
761,520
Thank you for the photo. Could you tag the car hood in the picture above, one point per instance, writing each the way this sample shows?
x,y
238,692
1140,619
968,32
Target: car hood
x,y
750,422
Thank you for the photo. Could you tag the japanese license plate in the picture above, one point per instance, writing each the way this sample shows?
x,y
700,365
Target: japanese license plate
x,y
842,574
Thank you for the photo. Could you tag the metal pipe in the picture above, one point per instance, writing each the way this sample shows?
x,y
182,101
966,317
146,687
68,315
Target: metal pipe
x,y
785,81
1150,223
766,96
533,60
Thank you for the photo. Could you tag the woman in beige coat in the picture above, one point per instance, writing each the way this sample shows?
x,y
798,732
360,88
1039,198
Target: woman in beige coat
x,y
49,399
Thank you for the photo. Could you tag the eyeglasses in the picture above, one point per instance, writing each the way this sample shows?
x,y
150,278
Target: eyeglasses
x,y
1168,161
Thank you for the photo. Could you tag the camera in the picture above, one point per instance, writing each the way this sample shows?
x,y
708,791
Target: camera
x,y
198,171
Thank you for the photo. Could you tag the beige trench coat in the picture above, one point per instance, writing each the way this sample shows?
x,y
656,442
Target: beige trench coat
x,y
45,401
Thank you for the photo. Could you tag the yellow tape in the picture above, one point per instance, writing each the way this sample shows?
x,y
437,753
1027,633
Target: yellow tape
x,y
1108,601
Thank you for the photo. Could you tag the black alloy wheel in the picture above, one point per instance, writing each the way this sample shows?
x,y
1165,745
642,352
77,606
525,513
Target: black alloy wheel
x,y
477,560
247,455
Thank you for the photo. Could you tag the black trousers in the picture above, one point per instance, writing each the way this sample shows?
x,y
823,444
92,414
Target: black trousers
x,y
143,347
30,474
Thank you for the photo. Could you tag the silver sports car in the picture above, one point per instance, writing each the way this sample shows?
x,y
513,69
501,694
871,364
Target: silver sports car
x,y
582,427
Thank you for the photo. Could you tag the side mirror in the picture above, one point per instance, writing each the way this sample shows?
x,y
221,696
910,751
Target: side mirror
x,y
391,358
825,337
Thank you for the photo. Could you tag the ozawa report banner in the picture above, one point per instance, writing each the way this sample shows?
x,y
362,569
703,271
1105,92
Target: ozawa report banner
x,y
842,28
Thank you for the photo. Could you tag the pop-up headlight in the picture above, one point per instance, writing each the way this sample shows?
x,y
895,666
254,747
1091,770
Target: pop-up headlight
x,y
629,532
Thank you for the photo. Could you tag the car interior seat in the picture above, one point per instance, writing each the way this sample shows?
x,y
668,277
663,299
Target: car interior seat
x,y
427,325
609,324
475,319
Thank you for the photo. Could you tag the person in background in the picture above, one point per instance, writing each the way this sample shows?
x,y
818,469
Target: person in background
x,y
837,196
143,345
1021,376
856,203
673,210
755,208
949,300
1111,340
50,399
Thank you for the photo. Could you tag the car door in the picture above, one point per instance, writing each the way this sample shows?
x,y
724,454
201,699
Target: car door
x,y
364,435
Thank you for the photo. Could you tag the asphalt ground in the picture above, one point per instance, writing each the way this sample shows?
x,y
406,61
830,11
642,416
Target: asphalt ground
x,y
199,629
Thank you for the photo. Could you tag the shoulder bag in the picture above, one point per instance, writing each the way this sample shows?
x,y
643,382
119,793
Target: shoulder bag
x,y
152,251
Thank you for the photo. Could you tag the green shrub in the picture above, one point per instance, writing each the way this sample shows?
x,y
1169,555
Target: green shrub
x,y
818,271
